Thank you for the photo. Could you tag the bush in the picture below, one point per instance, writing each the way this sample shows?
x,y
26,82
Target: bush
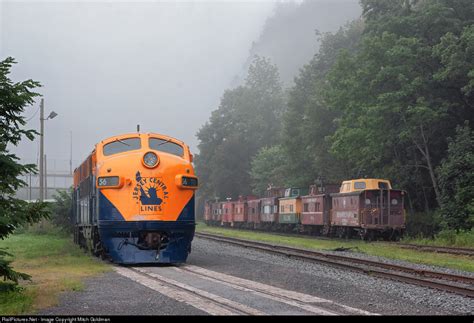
x,y
422,225
463,238
61,210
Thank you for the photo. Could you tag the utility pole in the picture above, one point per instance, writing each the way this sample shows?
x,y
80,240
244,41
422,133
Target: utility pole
x,y
41,170
70,156
45,178
30,198
42,156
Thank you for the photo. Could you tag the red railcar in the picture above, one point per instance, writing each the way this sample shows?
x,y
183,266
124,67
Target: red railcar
x,y
217,213
253,207
269,206
269,211
369,212
240,211
228,213
208,212
316,209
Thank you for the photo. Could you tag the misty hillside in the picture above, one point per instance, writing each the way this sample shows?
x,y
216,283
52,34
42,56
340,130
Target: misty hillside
x,y
289,36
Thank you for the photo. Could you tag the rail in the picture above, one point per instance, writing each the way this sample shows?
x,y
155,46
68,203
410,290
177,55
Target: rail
x,y
463,285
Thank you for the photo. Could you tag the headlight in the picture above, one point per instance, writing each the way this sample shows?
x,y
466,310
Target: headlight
x,y
150,159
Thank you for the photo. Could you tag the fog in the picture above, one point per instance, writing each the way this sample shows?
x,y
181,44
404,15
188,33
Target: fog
x,y
106,67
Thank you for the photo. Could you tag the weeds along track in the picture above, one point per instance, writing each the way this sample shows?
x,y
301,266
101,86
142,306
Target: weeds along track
x,y
438,249
425,248
458,284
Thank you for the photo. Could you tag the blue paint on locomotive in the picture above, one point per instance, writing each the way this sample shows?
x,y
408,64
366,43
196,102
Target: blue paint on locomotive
x,y
121,238
107,211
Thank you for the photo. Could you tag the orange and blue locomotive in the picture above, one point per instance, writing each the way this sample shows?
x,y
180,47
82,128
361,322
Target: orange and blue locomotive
x,y
133,199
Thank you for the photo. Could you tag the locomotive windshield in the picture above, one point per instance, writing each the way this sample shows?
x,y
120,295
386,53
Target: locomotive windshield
x,y
166,146
121,145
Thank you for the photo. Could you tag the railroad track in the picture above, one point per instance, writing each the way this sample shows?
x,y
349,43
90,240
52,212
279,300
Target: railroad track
x,y
426,248
458,284
195,294
448,250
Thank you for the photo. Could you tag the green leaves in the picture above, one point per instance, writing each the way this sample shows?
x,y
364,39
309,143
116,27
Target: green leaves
x,y
268,169
379,99
14,98
456,175
403,93
247,119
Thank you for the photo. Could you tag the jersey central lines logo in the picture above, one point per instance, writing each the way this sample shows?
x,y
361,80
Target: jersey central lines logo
x,y
150,193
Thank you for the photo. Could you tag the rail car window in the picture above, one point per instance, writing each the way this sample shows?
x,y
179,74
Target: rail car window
x,y
122,145
359,185
383,185
166,146
306,207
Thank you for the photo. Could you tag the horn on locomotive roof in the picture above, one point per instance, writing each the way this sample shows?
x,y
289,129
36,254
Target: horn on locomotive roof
x,y
138,128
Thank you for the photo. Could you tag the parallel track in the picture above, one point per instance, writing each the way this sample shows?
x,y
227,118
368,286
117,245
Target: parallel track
x,y
458,284
426,248
448,250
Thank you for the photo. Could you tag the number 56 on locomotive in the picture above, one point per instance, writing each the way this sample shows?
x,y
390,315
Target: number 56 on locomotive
x,y
133,199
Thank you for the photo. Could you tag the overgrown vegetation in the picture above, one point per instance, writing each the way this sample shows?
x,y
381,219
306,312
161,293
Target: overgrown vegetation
x,y
54,264
380,98
14,98
61,210
446,238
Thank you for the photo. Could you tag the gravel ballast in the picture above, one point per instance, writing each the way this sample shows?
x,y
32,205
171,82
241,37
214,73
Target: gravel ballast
x,y
350,288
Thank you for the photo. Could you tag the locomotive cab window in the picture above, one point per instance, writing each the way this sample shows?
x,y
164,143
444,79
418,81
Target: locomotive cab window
x,y
166,146
383,185
359,185
121,145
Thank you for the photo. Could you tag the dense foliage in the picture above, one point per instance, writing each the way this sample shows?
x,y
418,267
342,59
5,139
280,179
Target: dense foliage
x,y
380,98
14,98
456,175
61,210
247,119
404,91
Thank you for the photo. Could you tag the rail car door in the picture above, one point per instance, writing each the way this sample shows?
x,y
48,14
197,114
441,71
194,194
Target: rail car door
x,y
384,206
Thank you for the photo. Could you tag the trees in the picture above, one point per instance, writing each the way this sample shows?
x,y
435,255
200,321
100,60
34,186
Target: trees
x,y
403,93
248,118
14,97
456,175
61,210
310,119
267,168
379,99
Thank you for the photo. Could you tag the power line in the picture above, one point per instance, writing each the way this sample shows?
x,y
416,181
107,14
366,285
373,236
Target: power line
x,y
34,114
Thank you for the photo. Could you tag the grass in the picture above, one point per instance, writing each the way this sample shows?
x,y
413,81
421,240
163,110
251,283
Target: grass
x,y
375,249
55,264
447,238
